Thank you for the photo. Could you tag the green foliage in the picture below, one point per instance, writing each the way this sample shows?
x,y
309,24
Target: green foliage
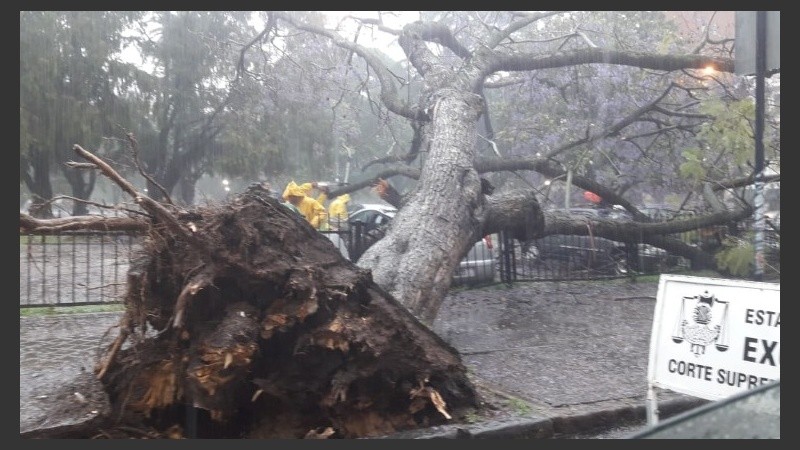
x,y
471,417
42,239
692,166
731,128
519,406
725,141
737,257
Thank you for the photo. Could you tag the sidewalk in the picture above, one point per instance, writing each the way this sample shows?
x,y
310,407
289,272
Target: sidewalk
x,y
575,352
567,356
56,359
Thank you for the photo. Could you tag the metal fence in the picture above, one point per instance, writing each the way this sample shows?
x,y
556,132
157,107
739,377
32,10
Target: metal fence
x,y
89,268
71,268
578,257
574,257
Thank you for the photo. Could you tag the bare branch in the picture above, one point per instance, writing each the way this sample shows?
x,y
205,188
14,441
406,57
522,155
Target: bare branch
x,y
680,114
586,39
525,20
99,205
240,65
746,181
147,203
77,165
389,94
135,150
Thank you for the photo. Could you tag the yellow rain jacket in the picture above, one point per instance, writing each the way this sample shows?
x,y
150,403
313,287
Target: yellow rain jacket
x,y
314,212
337,210
306,188
311,209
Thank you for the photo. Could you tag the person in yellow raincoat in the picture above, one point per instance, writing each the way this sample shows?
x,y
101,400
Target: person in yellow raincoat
x,y
337,212
310,208
307,188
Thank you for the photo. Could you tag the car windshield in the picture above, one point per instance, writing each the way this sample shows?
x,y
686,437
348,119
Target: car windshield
x,y
753,414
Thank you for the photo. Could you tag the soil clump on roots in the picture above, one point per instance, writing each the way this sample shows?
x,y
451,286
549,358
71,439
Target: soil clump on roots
x,y
242,321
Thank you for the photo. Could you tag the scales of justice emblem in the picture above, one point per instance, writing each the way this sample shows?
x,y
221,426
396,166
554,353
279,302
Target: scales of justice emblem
x,y
705,326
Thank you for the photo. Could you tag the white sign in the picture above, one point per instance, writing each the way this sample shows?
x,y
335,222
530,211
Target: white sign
x,y
713,338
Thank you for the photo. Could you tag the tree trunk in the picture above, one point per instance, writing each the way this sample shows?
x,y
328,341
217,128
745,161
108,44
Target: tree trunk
x,y
37,180
442,217
81,188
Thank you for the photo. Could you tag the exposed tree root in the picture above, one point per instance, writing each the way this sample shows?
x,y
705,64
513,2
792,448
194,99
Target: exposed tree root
x,y
262,329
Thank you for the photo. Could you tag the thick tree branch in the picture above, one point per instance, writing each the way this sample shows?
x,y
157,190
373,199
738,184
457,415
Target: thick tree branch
x,y
387,173
423,59
28,224
440,34
663,62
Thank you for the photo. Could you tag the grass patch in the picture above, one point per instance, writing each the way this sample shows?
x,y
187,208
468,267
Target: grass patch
x,y
645,278
471,417
81,309
48,239
520,406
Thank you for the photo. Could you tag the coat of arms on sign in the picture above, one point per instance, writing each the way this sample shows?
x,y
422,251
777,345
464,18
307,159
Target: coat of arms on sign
x,y
705,325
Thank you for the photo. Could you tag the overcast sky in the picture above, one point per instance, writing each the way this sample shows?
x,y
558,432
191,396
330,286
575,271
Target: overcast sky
x,y
381,40
384,41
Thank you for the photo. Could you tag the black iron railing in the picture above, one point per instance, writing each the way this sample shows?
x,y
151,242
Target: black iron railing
x,y
86,268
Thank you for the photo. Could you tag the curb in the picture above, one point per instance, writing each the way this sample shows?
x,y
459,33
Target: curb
x,y
549,428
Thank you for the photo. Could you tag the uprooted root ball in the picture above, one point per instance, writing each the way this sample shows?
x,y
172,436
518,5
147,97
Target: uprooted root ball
x,y
258,328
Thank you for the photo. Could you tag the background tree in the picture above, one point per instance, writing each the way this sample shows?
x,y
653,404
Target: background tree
x,y
71,90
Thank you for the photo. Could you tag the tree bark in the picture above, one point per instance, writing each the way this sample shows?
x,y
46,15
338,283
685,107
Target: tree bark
x,y
442,216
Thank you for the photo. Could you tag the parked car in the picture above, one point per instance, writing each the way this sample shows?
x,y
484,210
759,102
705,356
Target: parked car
x,y
613,213
653,259
582,253
478,266
598,254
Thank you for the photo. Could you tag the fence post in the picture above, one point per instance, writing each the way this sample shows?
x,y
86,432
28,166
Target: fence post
x,y
507,259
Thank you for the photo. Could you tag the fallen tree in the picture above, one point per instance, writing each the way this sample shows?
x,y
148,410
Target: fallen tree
x,y
244,321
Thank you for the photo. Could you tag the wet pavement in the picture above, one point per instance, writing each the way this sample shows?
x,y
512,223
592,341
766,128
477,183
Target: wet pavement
x,y
565,358
56,359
